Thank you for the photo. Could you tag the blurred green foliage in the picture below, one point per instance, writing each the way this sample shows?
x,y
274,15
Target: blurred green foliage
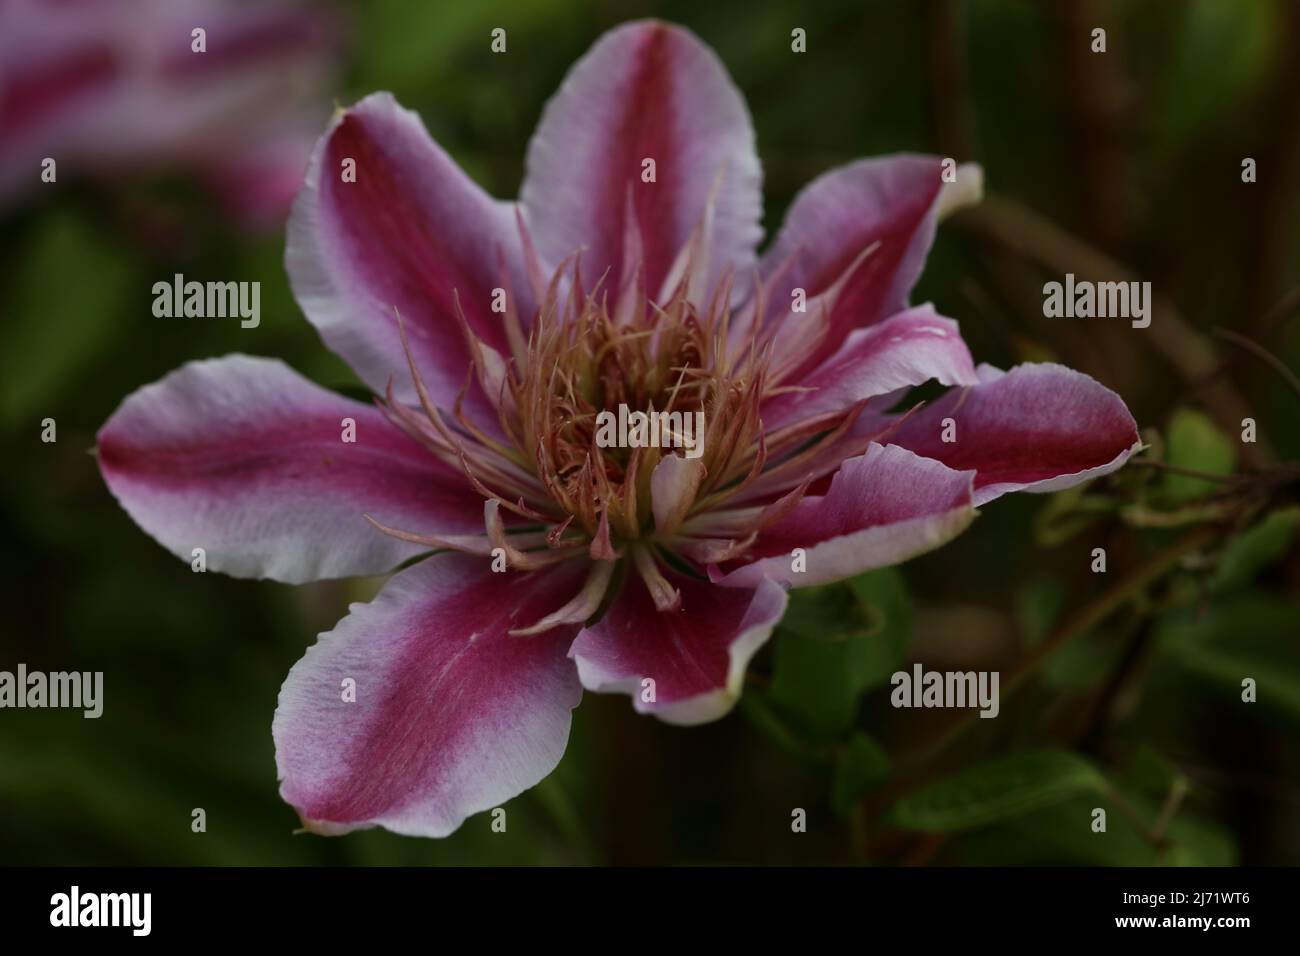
x,y
1145,704
995,791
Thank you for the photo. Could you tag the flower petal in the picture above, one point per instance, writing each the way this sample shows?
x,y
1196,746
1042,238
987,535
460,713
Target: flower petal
x,y
258,186
893,201
907,349
695,655
645,90
57,70
113,87
452,714
882,508
673,486
1038,427
245,458
409,236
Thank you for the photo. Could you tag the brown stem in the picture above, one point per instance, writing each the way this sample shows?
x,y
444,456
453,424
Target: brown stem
x,y
953,119
1279,163
1094,99
1189,472
1285,308
1261,353
1134,654
1020,229
1081,622
1129,813
1172,802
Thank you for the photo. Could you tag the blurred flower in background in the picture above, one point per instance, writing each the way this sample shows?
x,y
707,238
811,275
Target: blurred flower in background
x,y
232,94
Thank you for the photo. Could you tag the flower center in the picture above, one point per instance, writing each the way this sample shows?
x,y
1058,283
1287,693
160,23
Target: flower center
x,y
631,429
604,394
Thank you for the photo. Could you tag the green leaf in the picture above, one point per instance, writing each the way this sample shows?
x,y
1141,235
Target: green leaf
x,y
1068,513
996,791
55,322
1242,617
1240,635
812,686
1240,39
1196,442
835,643
1038,605
830,613
758,708
1062,834
880,651
1149,772
407,46
1276,676
1256,548
1081,663
1199,842
404,41
862,767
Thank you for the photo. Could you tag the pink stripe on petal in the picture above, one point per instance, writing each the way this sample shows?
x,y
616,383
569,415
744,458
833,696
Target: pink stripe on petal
x,y
696,655
1038,427
244,38
452,714
111,87
244,458
258,186
893,200
882,508
645,90
409,234
905,350
38,91
59,68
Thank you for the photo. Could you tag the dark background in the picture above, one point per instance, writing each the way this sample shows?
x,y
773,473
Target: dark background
x,y
1099,164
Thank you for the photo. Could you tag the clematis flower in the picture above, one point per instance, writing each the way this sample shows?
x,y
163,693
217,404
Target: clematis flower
x,y
110,87
619,570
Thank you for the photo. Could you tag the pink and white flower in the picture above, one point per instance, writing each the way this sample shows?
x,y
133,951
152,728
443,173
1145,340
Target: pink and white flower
x,y
115,87
625,566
